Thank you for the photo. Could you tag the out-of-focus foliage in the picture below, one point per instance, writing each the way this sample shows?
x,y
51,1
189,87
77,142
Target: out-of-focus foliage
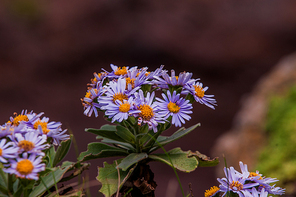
x,y
278,158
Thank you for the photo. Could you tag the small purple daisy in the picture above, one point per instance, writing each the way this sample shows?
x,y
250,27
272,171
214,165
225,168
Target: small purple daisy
x,y
175,106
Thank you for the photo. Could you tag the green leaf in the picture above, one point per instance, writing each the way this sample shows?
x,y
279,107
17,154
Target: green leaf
x,y
125,134
18,192
123,145
111,134
3,190
152,138
131,159
203,160
62,151
108,176
108,127
144,128
180,160
3,180
147,137
99,150
48,180
177,135
50,154
146,88
132,120
16,185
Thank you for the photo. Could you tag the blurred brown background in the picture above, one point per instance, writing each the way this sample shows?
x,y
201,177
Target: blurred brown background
x,y
49,50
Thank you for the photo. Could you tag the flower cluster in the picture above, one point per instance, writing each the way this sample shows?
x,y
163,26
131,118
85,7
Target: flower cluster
x,y
131,92
244,184
23,141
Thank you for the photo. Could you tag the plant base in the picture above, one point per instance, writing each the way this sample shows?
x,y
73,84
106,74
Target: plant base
x,y
140,183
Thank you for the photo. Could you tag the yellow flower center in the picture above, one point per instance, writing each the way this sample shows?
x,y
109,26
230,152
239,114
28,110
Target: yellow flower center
x,y
253,174
146,112
130,81
172,107
199,92
26,145
237,186
120,71
24,167
211,191
0,152
119,96
87,95
124,107
94,80
43,125
17,119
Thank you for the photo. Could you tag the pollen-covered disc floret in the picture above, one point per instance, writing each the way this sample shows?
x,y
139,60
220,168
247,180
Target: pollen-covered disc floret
x,y
117,71
26,166
212,191
148,110
176,107
120,110
198,92
31,142
115,90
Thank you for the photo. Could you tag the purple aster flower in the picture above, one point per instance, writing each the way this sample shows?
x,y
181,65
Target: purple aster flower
x,y
264,183
199,95
255,193
89,101
135,78
57,136
98,78
174,106
116,90
272,189
7,150
120,110
234,182
181,80
45,126
7,129
31,142
148,110
251,176
117,72
51,129
26,167
25,117
158,72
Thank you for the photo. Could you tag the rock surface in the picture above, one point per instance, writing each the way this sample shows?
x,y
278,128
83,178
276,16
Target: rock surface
x,y
247,135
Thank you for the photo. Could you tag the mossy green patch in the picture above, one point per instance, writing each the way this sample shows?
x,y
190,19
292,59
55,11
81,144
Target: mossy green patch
x,y
278,158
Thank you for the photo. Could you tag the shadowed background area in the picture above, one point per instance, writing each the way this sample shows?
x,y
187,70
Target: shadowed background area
x,y
50,49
